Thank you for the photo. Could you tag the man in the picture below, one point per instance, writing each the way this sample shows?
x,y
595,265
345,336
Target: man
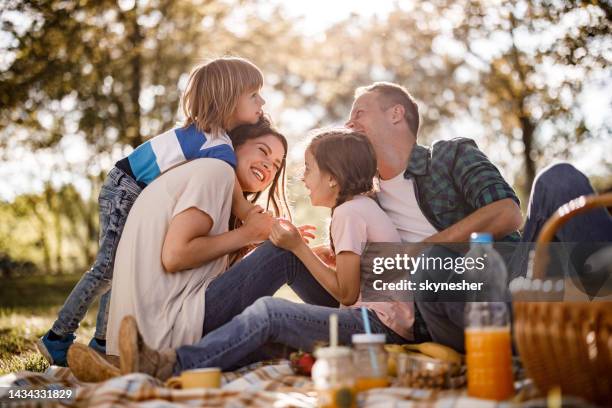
x,y
446,192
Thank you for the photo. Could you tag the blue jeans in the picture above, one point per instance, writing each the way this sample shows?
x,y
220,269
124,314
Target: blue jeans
x,y
242,320
553,187
118,194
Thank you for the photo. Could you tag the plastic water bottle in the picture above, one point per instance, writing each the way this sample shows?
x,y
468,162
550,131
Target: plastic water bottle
x,y
485,265
488,342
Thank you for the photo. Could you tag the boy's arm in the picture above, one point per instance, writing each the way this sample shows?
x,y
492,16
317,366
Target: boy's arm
x,y
240,205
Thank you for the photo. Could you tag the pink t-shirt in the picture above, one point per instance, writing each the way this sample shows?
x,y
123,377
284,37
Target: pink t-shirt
x,y
356,222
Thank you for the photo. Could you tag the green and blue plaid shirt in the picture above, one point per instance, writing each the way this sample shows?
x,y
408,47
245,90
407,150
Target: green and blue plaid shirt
x,y
453,179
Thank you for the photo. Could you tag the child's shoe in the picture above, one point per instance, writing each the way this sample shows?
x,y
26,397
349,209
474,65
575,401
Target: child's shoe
x,y
55,351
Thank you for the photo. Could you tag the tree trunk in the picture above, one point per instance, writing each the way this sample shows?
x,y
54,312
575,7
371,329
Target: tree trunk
x,y
136,39
528,129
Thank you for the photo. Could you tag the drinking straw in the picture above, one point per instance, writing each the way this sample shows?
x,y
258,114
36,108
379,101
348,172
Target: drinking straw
x,y
368,330
366,320
333,330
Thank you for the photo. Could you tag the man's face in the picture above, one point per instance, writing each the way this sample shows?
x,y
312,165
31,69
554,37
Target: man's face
x,y
368,118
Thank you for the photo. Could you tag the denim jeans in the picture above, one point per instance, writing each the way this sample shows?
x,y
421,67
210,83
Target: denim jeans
x,y
553,187
118,194
242,320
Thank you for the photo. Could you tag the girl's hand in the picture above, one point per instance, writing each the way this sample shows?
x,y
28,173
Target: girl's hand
x,y
285,235
325,253
258,225
306,236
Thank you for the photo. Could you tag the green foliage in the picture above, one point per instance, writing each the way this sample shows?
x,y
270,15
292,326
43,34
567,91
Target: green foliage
x,y
113,71
57,230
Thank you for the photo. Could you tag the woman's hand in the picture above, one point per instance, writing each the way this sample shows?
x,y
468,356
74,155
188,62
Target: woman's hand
x,y
258,225
285,235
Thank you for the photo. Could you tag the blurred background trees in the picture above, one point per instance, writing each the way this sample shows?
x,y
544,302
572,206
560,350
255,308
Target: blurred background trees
x,y
83,82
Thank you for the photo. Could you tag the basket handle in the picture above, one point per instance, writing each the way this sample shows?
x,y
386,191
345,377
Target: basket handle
x,y
560,217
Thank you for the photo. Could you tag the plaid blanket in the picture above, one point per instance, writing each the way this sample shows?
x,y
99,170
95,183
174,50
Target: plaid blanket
x,y
259,385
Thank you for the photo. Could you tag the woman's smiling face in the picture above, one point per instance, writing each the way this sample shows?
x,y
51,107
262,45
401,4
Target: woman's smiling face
x,y
259,160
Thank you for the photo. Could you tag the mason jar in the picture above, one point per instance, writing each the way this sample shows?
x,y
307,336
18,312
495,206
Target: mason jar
x,y
333,376
370,361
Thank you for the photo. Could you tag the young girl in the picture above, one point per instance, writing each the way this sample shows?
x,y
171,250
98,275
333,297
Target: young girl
x,y
340,167
220,95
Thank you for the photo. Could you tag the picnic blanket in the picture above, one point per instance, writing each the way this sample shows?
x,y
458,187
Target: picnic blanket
x,y
259,385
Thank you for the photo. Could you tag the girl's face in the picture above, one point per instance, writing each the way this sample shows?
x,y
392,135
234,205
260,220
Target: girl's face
x,y
259,160
248,109
322,188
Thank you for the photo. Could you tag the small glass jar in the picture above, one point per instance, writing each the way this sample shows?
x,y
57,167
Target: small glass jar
x,y
333,377
370,360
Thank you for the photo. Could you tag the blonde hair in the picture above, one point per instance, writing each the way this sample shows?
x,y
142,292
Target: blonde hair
x,y
213,90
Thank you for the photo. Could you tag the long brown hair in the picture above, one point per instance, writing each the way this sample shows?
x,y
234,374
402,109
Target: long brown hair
x,y
349,157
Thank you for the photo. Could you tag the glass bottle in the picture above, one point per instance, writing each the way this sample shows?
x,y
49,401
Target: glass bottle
x,y
370,361
333,375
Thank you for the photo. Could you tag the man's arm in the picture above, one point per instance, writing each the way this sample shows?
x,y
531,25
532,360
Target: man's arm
x,y
500,218
482,186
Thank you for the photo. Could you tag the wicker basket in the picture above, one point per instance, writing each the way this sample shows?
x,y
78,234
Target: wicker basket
x,y
565,344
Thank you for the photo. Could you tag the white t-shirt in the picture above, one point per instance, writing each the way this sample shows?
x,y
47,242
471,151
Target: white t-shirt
x,y
169,307
397,197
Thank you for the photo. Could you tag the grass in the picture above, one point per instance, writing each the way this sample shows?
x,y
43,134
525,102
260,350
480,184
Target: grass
x,y
28,307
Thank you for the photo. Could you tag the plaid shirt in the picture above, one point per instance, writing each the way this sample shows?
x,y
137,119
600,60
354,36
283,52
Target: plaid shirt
x,y
453,179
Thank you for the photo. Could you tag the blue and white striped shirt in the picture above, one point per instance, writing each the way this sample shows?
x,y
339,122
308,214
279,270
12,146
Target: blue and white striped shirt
x,y
172,148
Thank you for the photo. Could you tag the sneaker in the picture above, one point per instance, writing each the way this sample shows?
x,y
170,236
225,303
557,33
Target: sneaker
x,y
100,348
136,357
55,351
89,366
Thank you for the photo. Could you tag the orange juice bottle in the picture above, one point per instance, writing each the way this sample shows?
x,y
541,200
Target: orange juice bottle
x,y
488,351
487,334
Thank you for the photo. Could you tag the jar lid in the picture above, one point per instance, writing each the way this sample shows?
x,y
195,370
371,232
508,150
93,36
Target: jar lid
x,y
332,352
362,338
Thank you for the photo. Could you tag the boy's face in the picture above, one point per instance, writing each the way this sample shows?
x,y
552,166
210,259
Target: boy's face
x,y
248,109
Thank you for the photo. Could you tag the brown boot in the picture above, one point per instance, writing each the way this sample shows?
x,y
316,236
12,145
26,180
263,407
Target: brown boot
x,y
136,357
88,365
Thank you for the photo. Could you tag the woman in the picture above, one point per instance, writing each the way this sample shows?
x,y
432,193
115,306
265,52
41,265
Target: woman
x,y
176,239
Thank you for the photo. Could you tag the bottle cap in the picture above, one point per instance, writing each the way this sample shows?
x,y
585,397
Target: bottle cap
x,y
481,238
362,338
